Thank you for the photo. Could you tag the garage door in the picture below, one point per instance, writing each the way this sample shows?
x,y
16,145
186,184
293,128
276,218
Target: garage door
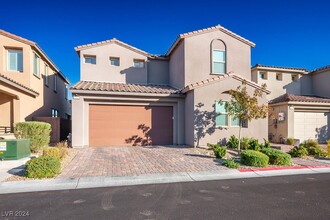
x,y
311,125
114,125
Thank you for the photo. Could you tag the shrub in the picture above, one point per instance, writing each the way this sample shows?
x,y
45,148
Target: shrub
x,y
43,167
230,164
254,158
290,141
254,144
313,148
233,142
265,145
277,157
300,151
245,143
37,132
63,149
219,151
52,152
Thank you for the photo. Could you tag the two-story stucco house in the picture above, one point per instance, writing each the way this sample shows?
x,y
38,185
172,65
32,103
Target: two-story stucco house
x,y
30,83
129,97
299,102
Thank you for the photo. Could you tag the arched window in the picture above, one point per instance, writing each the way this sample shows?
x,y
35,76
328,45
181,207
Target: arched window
x,y
218,57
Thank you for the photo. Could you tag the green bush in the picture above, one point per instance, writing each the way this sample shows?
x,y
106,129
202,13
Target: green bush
x,y
277,157
230,164
219,151
290,141
254,158
313,148
43,167
63,149
233,142
52,152
37,132
254,144
300,151
245,143
266,144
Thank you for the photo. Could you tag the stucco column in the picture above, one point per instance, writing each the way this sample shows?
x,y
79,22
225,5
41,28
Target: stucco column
x,y
16,111
290,119
78,121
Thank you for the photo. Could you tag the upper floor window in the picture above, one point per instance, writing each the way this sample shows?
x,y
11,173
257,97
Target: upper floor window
x,y
90,59
55,113
36,65
279,76
263,75
55,82
46,75
294,77
66,92
219,61
15,60
114,61
138,63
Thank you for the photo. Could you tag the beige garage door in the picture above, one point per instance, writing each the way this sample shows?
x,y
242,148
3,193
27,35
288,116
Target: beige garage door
x,y
311,125
114,125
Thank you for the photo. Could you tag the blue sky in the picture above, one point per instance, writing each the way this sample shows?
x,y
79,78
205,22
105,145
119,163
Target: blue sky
x,y
287,33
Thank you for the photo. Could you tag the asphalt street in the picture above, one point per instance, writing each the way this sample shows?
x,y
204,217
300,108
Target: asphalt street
x,y
284,197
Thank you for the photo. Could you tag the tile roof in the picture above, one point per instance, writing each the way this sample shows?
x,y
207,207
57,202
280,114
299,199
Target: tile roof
x,y
219,78
280,67
320,69
17,84
210,29
299,98
122,87
113,40
37,47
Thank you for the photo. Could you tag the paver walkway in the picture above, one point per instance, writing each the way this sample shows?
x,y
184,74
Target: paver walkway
x,y
127,161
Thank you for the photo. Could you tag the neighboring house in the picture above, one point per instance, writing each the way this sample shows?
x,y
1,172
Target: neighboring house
x,y
30,83
299,102
129,97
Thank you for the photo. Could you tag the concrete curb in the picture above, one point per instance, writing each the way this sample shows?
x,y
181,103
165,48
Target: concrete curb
x,y
96,182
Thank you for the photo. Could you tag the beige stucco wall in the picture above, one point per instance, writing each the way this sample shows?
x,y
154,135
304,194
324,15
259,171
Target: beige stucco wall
x,y
207,96
198,63
28,105
282,129
102,71
321,83
80,113
177,67
158,71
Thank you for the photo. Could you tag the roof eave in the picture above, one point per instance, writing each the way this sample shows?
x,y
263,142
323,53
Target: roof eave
x,y
97,92
22,88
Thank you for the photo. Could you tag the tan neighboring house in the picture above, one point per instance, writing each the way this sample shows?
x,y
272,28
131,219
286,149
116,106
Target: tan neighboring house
x,y
299,102
127,96
30,83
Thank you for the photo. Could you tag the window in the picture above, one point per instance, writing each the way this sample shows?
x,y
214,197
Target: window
x,y
138,63
219,61
90,59
263,75
66,92
15,60
245,123
36,65
55,82
114,61
294,77
46,75
279,76
221,118
55,113
234,121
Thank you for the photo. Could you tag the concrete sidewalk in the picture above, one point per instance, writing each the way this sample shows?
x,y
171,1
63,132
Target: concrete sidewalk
x,y
11,167
94,182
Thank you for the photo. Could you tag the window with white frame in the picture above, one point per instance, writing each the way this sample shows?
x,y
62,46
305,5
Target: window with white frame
x,y
219,61
279,76
55,113
114,61
46,75
234,122
262,75
66,92
221,118
55,82
138,63
15,60
90,59
36,65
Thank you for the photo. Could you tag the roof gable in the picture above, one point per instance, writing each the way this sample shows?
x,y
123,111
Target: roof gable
x,y
207,30
299,98
112,41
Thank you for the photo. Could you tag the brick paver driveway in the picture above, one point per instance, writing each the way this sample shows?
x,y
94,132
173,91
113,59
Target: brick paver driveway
x,y
126,161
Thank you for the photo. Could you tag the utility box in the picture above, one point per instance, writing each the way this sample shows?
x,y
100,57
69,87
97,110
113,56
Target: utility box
x,y
14,149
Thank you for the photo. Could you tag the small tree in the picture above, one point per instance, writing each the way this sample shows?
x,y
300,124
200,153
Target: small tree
x,y
245,107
